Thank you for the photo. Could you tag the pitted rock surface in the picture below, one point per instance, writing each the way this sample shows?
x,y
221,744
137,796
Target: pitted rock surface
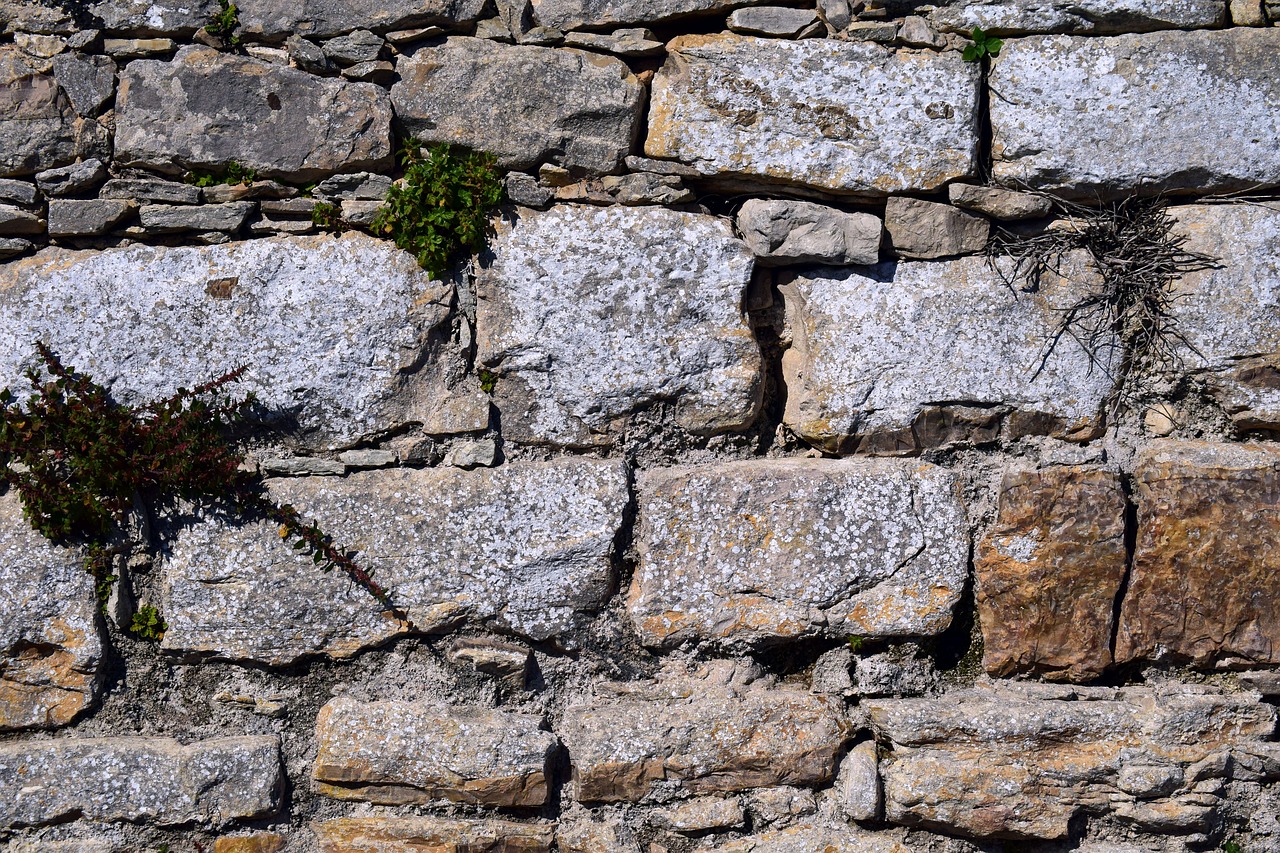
x,y
758,552
851,118
399,834
788,232
277,19
587,314
40,127
1094,17
330,329
827,837
148,17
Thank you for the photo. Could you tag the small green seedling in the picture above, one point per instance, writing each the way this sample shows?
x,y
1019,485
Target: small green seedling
x,y
855,643
234,174
225,22
327,216
983,45
488,380
147,624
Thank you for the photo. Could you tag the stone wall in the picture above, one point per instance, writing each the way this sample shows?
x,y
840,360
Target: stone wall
x,y
734,499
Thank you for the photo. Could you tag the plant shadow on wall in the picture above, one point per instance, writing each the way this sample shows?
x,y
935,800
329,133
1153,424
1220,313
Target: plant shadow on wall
x,y
82,462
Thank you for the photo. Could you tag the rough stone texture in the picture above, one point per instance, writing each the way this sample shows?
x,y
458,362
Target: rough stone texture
x,y
68,218
927,229
400,834
39,125
873,348
523,103
171,219
700,737
587,314
132,779
50,640
762,551
277,19
1110,115
14,220
700,814
844,117
999,202
149,190
826,837
1094,17
606,14
524,547
151,17
1204,567
73,179
1048,572
300,312
21,193
1010,762
784,232
627,42
401,752
857,785
777,21
205,109
1247,13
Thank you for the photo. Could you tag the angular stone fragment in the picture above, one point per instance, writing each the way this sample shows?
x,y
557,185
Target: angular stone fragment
x,y
926,229
844,117
999,202
39,126
588,314
206,109
75,218
89,81
353,48
826,837
50,639
138,48
783,232
777,21
745,553
277,19
400,752
858,783
626,42
701,814
150,190
137,779
1109,115
523,103
1247,13
1204,567
202,311
73,179
14,221
400,834
1094,17
258,842
1007,763
873,348
21,193
170,219
699,737
524,548
11,246
1048,572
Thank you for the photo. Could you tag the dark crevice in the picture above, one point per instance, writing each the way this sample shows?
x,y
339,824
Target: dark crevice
x,y
986,136
1130,543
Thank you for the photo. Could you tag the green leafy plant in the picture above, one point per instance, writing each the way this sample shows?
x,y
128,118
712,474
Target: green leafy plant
x,y
983,45
225,22
488,380
232,175
1231,847
442,205
855,643
147,624
327,216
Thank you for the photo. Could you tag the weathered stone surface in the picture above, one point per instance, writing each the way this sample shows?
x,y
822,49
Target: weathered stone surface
x,y
584,835
169,219
1247,13
353,48
777,21
21,193
826,837
50,640
784,232
1109,115
701,814
132,779
857,785
150,190
11,246
205,109
258,842
14,220
39,126
756,552
73,179
70,218
1006,763
299,311
277,19
89,81
1095,17
1048,572
1204,567
152,17
999,202
870,349
927,229
587,314
524,548
839,116
605,14
401,752
523,103
626,42
362,185
138,48
699,736
400,834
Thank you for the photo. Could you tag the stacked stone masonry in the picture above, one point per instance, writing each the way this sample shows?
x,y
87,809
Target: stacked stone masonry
x,y
757,488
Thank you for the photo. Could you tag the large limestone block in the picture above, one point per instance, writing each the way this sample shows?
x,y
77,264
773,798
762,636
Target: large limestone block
x,y
872,348
205,109
1023,762
278,19
587,314
746,553
137,779
1048,572
575,14
1095,17
403,752
1111,115
332,330
50,639
150,17
523,103
852,118
40,127
524,548
448,835
1203,587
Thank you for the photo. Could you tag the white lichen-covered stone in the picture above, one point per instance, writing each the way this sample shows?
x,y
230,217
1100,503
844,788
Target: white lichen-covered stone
x,y
331,330
136,779
872,348
523,548
587,314
756,552
1095,17
852,118
1162,111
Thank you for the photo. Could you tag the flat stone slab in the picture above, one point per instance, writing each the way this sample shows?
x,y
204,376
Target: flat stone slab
x,y
872,348
796,232
587,314
523,103
330,329
849,118
592,14
820,835
50,635
150,17
398,834
40,127
524,548
206,109
1092,17
1203,585
135,779
1109,115
400,752
275,19
748,553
